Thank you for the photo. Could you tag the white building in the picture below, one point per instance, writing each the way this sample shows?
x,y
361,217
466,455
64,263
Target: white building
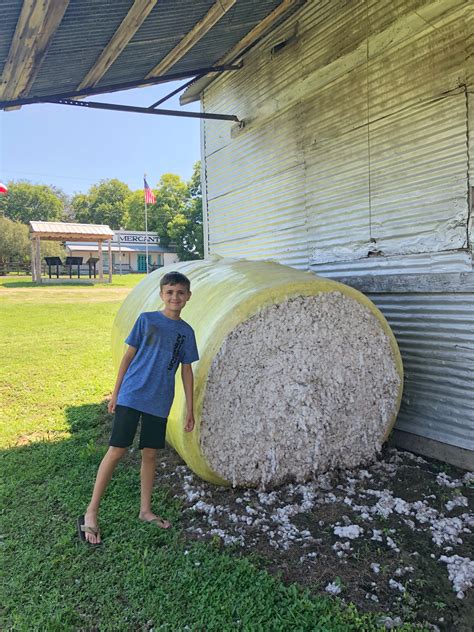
x,y
129,251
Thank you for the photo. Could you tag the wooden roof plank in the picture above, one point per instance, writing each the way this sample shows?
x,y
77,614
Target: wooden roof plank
x,y
215,13
127,29
34,31
259,30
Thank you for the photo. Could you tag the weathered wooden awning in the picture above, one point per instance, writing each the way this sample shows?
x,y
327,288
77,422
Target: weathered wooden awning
x,y
62,231
54,50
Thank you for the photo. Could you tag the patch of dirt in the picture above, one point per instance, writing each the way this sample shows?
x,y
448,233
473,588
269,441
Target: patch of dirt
x,y
51,436
394,537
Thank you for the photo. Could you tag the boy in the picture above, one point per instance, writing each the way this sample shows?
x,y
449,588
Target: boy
x,y
157,344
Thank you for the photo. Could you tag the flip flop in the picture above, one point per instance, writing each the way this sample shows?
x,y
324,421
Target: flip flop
x,y
82,529
162,524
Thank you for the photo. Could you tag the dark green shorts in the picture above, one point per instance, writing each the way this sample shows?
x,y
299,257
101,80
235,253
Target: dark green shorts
x,y
152,431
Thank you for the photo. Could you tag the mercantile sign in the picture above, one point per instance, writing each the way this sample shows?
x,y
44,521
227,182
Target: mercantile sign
x,y
138,237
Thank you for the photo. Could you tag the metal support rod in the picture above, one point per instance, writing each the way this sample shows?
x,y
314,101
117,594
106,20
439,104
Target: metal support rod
x,y
180,89
85,92
146,236
131,108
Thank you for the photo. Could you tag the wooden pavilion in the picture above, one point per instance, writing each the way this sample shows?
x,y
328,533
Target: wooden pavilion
x,y
61,231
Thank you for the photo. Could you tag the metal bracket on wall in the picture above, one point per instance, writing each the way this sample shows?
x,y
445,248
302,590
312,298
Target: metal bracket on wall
x,y
177,91
139,110
191,81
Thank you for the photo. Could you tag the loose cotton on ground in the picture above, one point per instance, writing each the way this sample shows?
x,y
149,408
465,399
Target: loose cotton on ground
x,y
298,374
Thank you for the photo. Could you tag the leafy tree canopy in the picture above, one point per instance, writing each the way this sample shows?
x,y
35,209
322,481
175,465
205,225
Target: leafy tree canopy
x,y
170,200
15,243
135,211
26,202
185,227
171,197
105,203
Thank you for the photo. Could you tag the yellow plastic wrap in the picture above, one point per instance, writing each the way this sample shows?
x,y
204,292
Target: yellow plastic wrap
x,y
225,293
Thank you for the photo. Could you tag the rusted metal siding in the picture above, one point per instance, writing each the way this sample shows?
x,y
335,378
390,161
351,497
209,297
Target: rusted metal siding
x,y
406,193
276,187
470,104
358,129
419,178
435,333
423,263
421,56
256,206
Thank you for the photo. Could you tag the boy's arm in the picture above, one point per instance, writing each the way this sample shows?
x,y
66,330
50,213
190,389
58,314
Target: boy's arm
x,y
188,384
127,358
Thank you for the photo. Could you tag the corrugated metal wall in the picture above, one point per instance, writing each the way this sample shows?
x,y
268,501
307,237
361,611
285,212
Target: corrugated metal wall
x,y
356,138
435,333
354,160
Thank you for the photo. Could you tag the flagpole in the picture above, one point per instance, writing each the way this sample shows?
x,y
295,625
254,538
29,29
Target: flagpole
x,y
146,230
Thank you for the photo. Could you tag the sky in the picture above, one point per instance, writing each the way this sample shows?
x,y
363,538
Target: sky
x,y
73,148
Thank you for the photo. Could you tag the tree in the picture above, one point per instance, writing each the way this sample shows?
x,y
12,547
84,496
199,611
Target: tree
x,y
15,243
66,202
185,228
171,197
170,201
26,202
136,211
105,203
80,208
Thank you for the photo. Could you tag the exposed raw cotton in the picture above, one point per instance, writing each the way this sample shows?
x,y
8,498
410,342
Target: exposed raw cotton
x,y
297,374
305,385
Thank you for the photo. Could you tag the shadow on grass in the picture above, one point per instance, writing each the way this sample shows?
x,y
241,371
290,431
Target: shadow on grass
x,y
89,417
31,284
55,582
142,577
17,284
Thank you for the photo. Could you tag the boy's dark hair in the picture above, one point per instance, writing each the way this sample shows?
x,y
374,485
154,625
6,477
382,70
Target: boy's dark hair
x,y
175,278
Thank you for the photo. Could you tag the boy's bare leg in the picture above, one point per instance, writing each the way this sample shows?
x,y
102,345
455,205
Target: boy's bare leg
x,y
147,477
104,474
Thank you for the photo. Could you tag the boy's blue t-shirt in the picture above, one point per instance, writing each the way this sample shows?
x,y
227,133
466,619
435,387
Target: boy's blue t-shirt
x,y
162,344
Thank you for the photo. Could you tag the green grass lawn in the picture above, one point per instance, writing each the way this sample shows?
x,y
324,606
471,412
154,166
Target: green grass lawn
x,y
55,375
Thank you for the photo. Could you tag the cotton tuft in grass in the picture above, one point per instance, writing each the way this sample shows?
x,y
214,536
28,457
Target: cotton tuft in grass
x,y
298,374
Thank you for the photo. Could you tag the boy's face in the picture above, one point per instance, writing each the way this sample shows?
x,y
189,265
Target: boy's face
x,y
175,297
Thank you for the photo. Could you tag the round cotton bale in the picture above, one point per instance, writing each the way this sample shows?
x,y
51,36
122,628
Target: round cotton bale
x,y
298,374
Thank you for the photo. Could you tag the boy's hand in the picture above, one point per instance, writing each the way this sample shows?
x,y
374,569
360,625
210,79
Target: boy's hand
x,y
112,403
189,425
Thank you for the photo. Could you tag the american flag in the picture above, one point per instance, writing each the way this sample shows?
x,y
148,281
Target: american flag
x,y
149,196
